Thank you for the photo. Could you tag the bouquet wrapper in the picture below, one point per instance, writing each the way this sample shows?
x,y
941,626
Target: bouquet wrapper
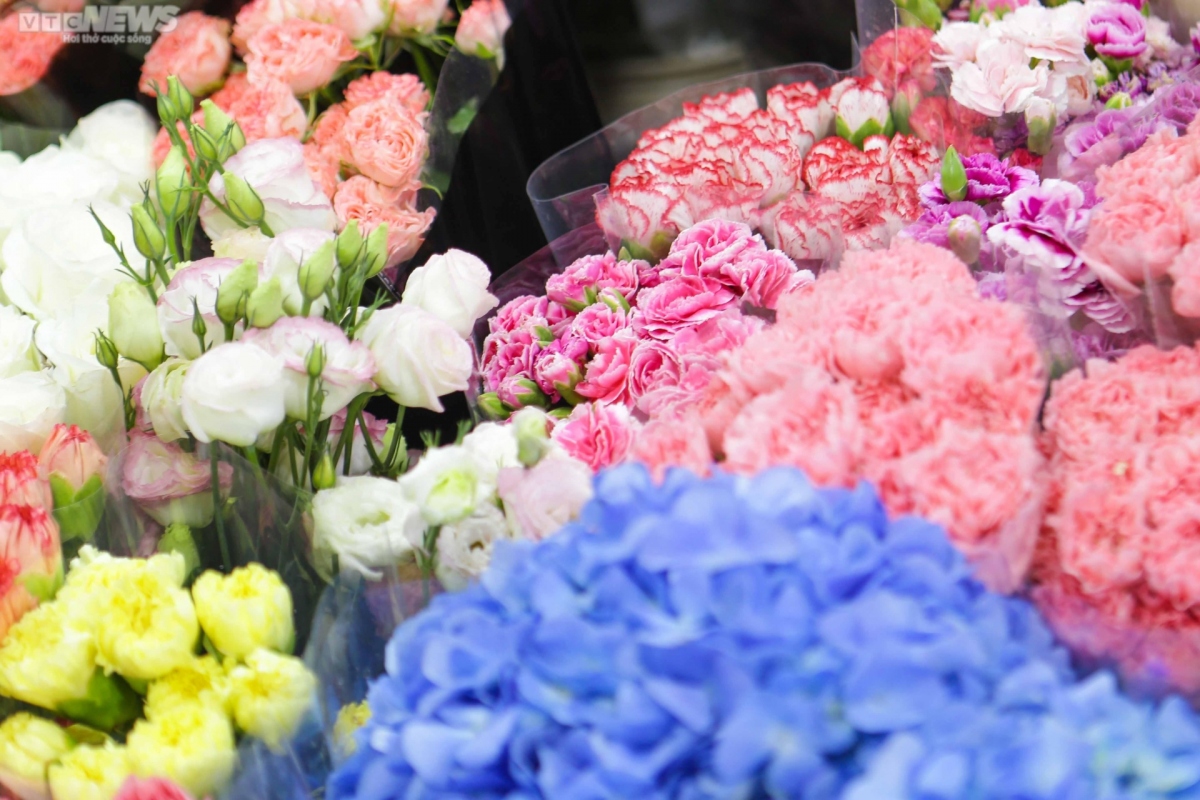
x,y
565,189
353,622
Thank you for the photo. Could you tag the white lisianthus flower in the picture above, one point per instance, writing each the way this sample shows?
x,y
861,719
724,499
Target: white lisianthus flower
x,y
193,287
368,523
233,394
419,358
347,370
162,399
57,257
541,500
448,484
454,288
275,169
494,447
243,243
465,547
54,179
17,353
31,404
282,260
121,134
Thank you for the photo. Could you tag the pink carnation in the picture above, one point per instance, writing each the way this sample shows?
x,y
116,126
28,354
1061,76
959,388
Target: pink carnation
x,y
598,322
263,110
667,444
196,51
302,54
594,274
372,205
25,56
607,378
385,142
901,55
681,303
597,435
405,90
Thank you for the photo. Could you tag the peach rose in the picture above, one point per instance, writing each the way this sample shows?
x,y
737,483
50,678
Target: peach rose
x,y
305,55
386,143
24,56
196,50
362,199
417,16
407,90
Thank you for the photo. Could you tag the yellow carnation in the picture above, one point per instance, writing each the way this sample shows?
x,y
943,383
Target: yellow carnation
x,y
350,718
46,660
148,628
192,745
270,694
90,773
204,681
95,574
27,746
245,610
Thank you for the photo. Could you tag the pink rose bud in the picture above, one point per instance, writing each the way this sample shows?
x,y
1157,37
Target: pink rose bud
x,y
30,561
21,482
965,238
151,789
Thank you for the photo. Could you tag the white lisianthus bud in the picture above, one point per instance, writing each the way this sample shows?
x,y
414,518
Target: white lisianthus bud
x,y
133,325
368,523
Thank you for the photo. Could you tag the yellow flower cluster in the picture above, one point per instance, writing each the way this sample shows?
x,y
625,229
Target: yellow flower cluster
x,y
119,623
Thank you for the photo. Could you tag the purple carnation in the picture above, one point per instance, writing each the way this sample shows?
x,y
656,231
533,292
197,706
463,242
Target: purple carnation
x,y
989,180
1178,104
933,227
1117,31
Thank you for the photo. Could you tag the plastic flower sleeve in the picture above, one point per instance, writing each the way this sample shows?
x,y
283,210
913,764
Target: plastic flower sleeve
x,y
463,85
563,189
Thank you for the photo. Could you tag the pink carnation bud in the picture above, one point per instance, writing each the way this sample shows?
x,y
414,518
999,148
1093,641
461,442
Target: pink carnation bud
x,y
73,454
30,552
21,481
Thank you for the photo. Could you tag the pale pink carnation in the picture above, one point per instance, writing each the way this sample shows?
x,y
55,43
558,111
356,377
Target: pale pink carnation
x,y
670,444
481,29
196,51
416,16
304,55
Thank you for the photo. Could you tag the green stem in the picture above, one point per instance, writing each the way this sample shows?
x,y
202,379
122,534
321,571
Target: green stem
x,y
218,516
424,69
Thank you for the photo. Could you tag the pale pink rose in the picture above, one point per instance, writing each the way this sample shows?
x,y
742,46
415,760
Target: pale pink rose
x,y
598,322
30,547
276,170
405,90
542,499
607,378
151,789
386,143
196,51
652,365
481,30
73,455
22,482
263,110
168,483
417,16
666,444
681,303
25,56
302,54
596,273
597,435
349,365
362,199
1000,81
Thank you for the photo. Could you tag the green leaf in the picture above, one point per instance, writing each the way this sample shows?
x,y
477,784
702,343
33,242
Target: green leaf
x,y
43,587
25,140
78,513
463,118
109,704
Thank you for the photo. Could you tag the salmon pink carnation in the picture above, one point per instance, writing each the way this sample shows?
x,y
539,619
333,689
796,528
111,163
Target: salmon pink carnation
x,y
405,90
29,549
25,56
22,482
664,444
196,51
360,198
385,142
302,54
264,109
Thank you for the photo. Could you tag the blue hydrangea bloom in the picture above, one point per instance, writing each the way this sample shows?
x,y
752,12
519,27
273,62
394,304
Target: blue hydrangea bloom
x,y
748,638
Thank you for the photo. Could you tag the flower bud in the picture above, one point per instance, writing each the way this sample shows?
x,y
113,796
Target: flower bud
x,y
377,250
966,238
235,291
178,539
314,364
926,12
167,114
324,476
385,446
173,184
521,392
133,324
147,235
349,244
492,407
199,326
1119,100
1041,118
106,351
533,435
205,144
243,202
220,126
954,176
317,270
181,99
265,305
559,413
